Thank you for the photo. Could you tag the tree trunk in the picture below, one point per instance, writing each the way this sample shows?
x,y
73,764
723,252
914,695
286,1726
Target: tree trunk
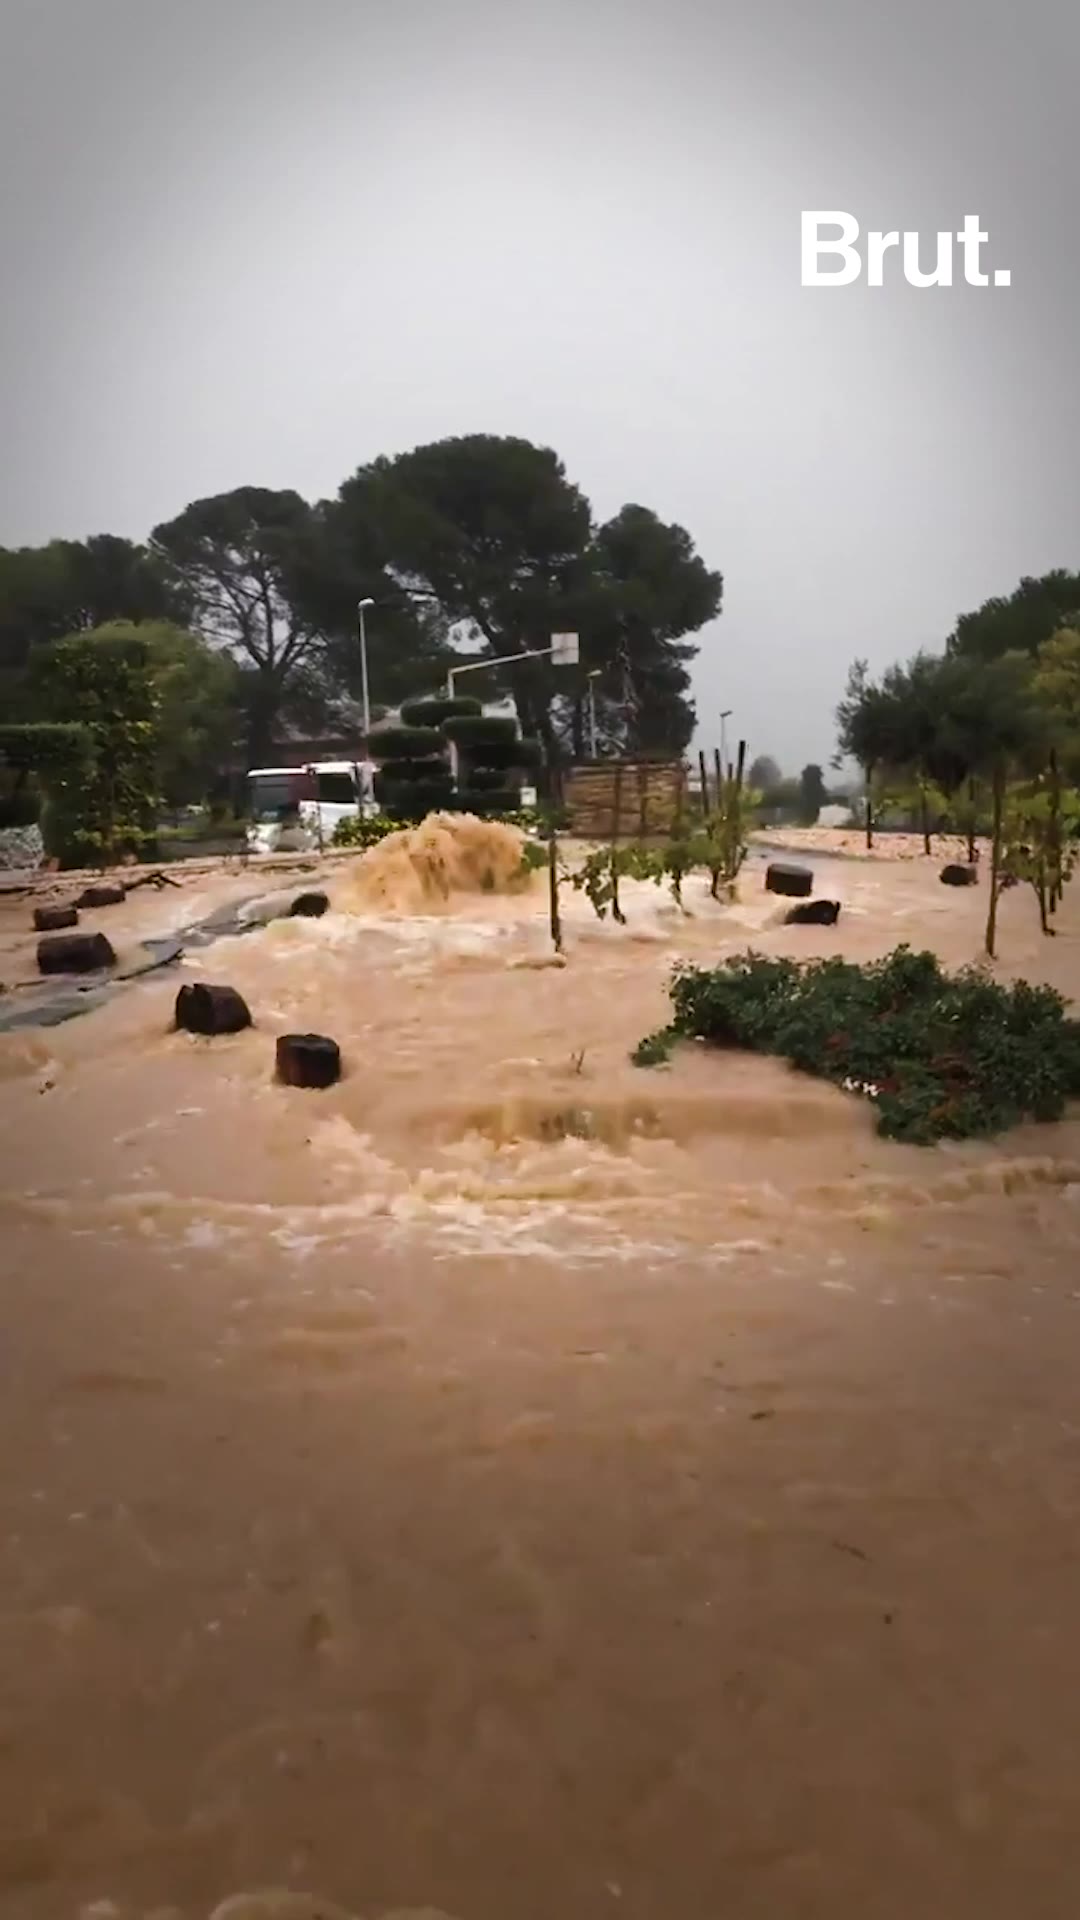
x,y
869,810
924,808
553,892
577,724
1056,864
995,860
972,822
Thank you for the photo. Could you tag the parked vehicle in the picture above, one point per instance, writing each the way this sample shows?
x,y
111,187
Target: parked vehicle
x,y
296,809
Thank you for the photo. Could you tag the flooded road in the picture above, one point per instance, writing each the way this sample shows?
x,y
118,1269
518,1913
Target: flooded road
x,y
514,1483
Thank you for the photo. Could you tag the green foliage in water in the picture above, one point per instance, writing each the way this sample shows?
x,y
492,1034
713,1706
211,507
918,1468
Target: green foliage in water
x,y
942,1057
363,833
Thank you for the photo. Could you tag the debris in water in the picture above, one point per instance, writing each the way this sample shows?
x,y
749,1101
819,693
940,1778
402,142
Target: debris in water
x,y
74,953
205,1009
55,919
308,1060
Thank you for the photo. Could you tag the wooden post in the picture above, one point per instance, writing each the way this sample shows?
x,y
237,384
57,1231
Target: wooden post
x,y
616,822
553,891
704,787
995,858
1057,884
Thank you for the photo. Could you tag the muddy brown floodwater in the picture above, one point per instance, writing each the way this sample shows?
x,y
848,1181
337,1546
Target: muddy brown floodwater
x,y
515,1484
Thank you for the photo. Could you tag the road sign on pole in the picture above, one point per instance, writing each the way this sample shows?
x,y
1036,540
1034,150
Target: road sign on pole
x,y
564,650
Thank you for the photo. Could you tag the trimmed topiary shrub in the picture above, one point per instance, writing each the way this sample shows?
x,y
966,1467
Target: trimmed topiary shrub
x,y
941,1057
486,779
487,801
435,710
481,730
434,768
412,799
405,743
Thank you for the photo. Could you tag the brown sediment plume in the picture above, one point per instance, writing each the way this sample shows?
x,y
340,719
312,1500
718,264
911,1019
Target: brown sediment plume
x,y
423,867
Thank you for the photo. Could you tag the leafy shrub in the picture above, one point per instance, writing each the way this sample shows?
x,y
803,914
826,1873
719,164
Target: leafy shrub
x,y
941,1057
434,710
405,743
355,831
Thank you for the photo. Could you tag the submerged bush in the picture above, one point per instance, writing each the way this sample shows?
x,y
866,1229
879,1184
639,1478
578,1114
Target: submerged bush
x,y
941,1056
354,831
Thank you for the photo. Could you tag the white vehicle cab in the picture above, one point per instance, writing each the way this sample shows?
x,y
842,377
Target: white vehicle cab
x,y
296,809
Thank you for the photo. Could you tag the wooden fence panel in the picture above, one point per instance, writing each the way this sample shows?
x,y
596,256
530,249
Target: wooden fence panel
x,y
648,794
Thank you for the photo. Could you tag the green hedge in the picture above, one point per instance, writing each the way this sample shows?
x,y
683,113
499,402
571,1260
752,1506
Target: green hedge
x,y
405,743
487,801
44,746
434,711
481,730
412,799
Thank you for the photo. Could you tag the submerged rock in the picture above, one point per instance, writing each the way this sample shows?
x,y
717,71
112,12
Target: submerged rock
x,y
957,876
813,913
210,1010
102,896
52,919
75,953
781,876
308,1060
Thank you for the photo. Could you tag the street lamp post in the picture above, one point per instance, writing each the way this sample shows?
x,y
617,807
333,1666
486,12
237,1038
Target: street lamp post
x,y
364,692
726,715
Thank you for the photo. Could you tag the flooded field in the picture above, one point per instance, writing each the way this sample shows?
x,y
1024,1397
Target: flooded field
x,y
512,1483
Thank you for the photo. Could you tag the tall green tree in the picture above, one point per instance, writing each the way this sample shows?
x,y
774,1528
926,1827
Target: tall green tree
x,y
104,804
764,774
492,533
73,586
1021,622
198,700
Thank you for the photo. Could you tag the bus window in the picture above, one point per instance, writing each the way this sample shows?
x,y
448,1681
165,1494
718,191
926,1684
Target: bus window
x,y
337,789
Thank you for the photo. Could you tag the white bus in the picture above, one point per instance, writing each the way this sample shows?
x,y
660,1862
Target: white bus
x,y
296,809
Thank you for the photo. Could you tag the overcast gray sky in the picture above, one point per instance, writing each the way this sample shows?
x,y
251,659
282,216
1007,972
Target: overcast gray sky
x,y
259,242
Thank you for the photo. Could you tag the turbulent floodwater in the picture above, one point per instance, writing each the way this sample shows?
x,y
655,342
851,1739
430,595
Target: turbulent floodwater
x,y
513,1483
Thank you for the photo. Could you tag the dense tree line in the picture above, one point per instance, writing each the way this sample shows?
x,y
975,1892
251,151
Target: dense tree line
x,y
985,736
469,548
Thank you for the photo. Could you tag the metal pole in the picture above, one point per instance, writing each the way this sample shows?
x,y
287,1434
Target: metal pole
x,y
365,695
592,716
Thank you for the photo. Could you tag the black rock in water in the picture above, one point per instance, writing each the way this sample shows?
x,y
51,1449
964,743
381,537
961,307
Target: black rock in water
x,y
959,876
814,913
308,1060
103,896
54,919
311,906
211,1010
75,953
781,877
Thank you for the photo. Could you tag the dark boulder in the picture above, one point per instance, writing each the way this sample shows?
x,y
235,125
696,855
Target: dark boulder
x,y
813,913
74,953
54,919
102,896
959,876
310,906
782,877
308,1060
205,1009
